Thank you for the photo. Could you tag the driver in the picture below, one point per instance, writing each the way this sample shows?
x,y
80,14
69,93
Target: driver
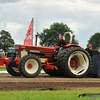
x,y
61,42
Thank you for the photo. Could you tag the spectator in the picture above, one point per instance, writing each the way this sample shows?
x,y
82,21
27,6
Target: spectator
x,y
90,50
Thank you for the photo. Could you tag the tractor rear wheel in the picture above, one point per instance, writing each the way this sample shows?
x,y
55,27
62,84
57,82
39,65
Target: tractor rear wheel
x,y
13,70
74,62
29,66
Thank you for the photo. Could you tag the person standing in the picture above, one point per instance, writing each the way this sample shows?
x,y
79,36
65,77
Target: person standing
x,y
89,49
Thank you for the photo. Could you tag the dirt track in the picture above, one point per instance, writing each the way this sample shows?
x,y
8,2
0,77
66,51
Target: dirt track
x,y
46,82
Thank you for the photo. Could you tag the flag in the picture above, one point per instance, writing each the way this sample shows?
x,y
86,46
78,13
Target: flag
x,y
29,35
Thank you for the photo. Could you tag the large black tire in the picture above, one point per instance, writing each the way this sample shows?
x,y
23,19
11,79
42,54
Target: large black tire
x,y
74,62
29,66
13,70
52,72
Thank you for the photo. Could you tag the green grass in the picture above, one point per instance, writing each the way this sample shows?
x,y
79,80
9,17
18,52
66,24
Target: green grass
x,y
47,95
3,69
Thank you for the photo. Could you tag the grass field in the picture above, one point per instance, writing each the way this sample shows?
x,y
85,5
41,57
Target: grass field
x,y
3,69
47,95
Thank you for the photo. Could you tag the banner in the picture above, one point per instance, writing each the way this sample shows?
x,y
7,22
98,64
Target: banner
x,y
29,35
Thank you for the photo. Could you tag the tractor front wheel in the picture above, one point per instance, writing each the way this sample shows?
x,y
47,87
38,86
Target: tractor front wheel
x,y
29,66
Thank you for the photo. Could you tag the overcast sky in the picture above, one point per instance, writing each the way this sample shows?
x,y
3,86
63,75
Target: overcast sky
x,y
82,16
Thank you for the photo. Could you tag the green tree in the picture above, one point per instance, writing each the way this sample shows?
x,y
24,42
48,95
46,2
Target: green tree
x,y
95,40
5,40
51,36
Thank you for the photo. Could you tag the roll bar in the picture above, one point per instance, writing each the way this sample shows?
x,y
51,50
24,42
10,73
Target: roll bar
x,y
70,36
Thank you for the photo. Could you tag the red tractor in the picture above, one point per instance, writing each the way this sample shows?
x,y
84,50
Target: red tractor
x,y
73,61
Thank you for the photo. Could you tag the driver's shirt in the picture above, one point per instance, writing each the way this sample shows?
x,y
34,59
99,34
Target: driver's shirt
x,y
62,42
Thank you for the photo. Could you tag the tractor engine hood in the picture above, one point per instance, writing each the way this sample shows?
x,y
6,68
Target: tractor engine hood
x,y
36,49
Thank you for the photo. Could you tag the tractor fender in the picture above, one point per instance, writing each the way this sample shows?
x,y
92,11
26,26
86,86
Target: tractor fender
x,y
71,45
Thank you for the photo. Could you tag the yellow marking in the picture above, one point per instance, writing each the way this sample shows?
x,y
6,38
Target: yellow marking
x,y
43,60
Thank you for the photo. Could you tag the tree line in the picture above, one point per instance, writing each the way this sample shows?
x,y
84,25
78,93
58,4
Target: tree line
x,y
50,36
6,40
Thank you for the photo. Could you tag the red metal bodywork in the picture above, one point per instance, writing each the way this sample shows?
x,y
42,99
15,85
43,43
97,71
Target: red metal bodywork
x,y
47,53
49,65
39,50
4,61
